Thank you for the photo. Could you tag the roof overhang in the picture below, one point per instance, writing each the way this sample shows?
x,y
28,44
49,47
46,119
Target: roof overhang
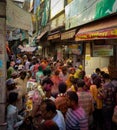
x,y
104,29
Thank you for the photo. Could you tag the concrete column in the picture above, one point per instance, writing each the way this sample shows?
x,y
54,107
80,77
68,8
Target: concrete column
x,y
2,63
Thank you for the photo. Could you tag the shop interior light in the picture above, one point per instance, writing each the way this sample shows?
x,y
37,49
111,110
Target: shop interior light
x,y
19,1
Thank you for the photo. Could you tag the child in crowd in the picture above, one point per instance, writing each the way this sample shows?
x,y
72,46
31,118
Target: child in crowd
x,y
13,119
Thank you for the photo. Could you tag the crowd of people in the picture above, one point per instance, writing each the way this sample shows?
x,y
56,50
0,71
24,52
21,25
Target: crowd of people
x,y
43,94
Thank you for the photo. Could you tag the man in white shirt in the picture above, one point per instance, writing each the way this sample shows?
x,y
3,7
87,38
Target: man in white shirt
x,y
49,112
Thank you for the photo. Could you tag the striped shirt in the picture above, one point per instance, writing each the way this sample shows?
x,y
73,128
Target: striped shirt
x,y
76,119
86,101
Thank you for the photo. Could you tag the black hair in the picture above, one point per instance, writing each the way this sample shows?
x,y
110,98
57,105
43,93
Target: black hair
x,y
40,68
23,72
50,105
80,83
47,72
57,72
102,72
62,87
12,97
97,82
47,81
73,96
106,76
97,70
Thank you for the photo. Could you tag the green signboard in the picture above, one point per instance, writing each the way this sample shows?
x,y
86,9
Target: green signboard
x,y
102,50
79,12
45,14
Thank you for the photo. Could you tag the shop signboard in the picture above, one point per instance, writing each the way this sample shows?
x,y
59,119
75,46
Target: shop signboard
x,y
101,34
68,34
56,7
45,14
102,50
80,12
54,36
56,22
75,49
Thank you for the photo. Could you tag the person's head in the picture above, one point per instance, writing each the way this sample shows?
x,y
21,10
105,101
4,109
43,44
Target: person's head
x,y
97,82
102,72
82,74
12,63
80,83
23,74
62,87
48,72
10,84
106,76
71,70
93,76
72,99
48,109
97,70
13,96
14,75
47,84
48,125
64,69
29,74
73,80
57,72
45,72
40,68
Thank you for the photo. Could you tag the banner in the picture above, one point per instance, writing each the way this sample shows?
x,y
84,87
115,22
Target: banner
x,y
56,7
45,14
101,34
80,12
17,17
57,22
27,49
36,5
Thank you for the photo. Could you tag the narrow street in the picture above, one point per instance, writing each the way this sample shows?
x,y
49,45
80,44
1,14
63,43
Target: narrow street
x,y
58,65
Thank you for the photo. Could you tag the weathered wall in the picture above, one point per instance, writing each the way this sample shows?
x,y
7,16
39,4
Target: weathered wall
x,y
2,63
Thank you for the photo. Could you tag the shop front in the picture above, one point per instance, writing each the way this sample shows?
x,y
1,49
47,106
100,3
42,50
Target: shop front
x,y
71,49
43,43
100,42
55,45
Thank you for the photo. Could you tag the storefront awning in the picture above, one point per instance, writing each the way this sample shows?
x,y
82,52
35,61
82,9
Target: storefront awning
x,y
55,35
105,29
41,35
100,34
68,34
